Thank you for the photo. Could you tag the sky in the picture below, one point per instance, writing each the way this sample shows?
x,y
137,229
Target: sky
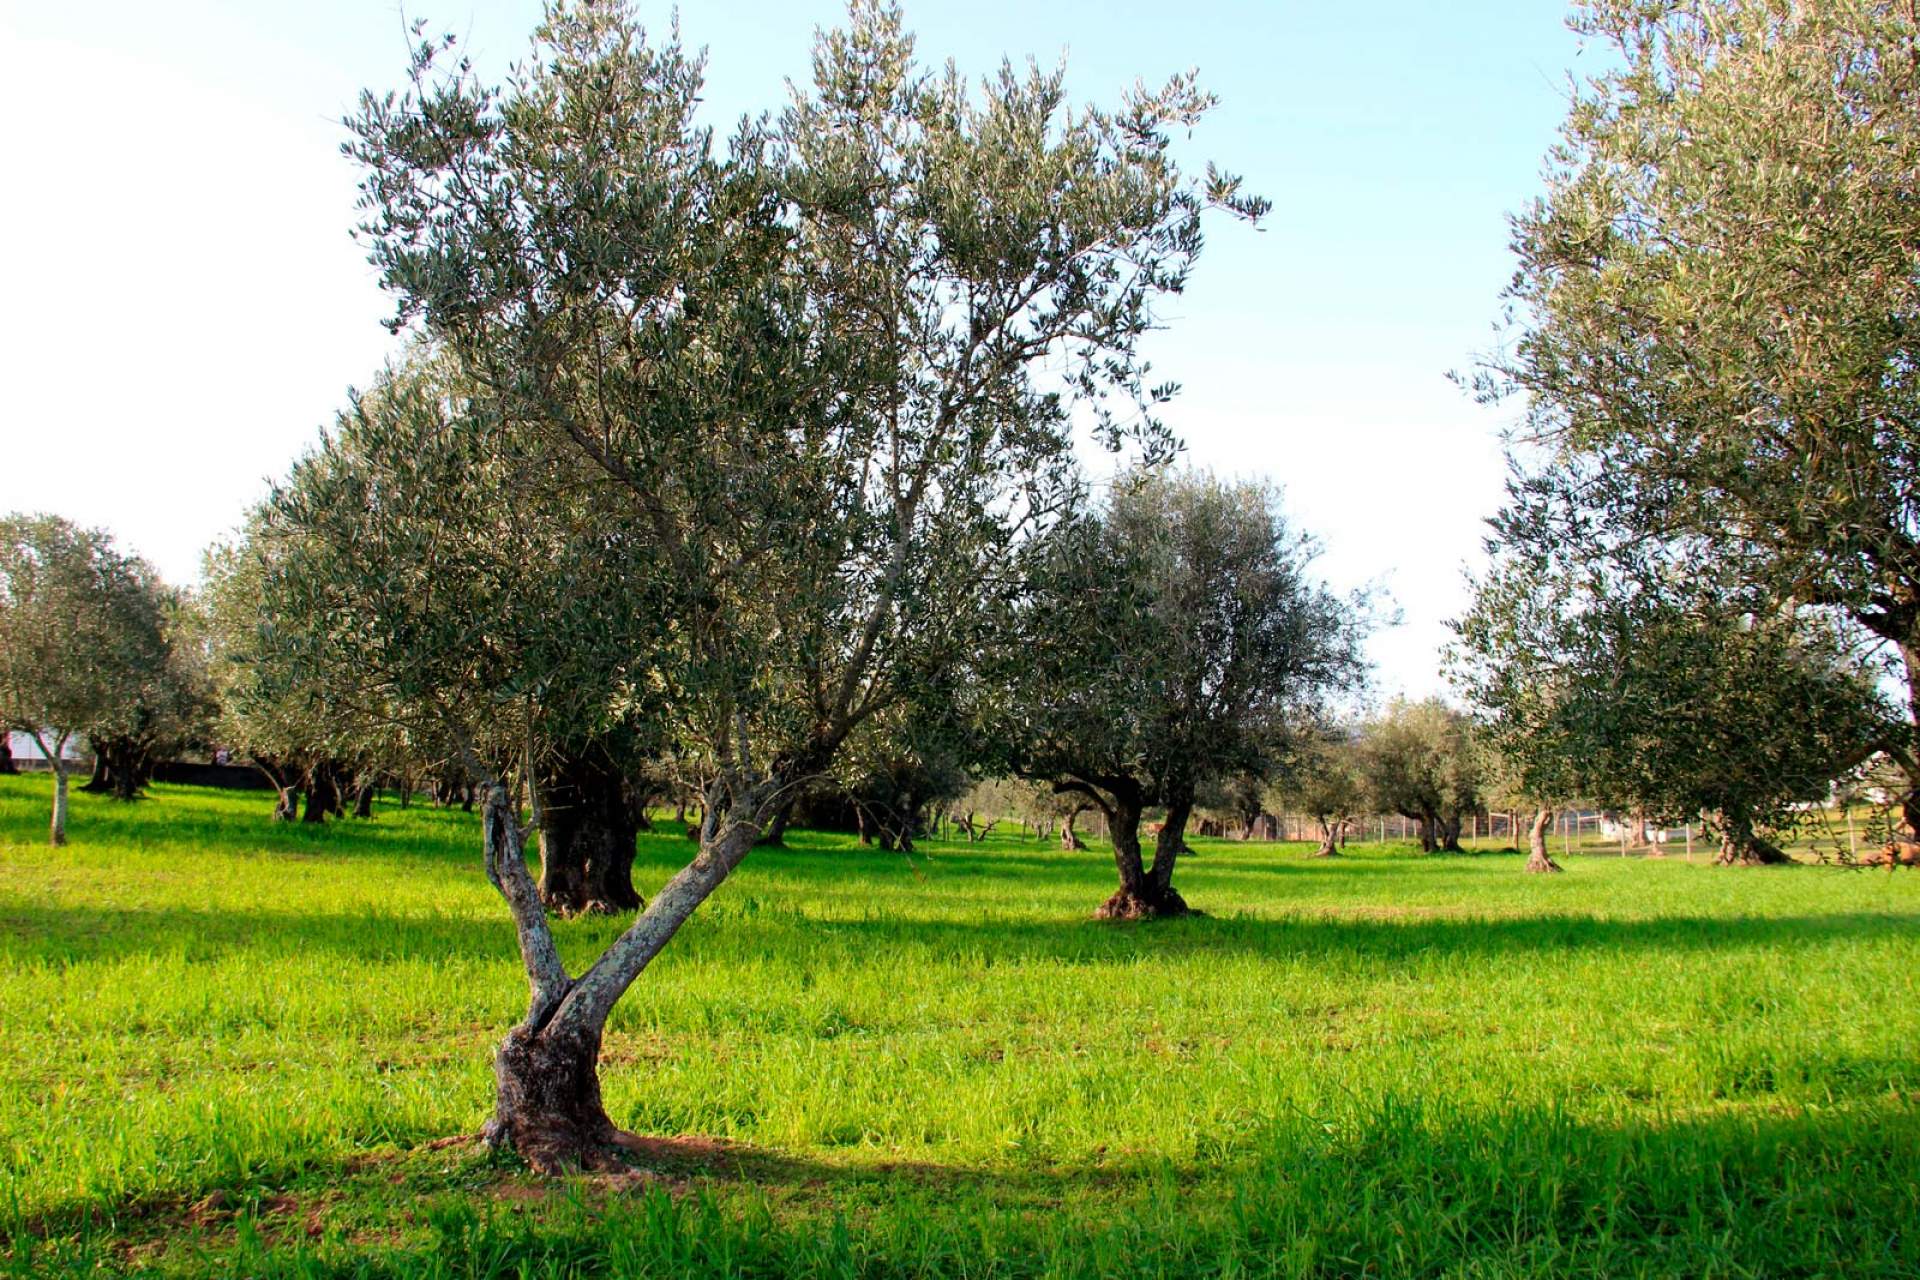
x,y
186,308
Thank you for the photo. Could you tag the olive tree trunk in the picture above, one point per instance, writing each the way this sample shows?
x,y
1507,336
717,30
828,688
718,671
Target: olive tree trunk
x,y
547,1103
57,828
57,759
1741,846
323,793
101,781
1070,840
587,834
1329,837
1539,860
1143,894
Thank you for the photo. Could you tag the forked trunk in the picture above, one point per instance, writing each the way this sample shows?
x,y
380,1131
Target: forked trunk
x,y
1447,831
547,1103
1329,839
1143,895
1539,861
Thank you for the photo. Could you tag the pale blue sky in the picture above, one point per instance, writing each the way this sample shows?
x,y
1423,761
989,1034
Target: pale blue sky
x,y
186,308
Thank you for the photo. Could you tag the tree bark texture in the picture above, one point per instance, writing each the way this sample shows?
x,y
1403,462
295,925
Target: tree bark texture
x,y
1539,860
1143,894
587,836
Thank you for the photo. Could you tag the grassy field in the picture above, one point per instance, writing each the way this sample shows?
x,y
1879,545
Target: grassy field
x,y
230,1048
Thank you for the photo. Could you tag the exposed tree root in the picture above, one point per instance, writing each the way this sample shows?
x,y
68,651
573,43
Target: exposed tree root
x,y
1124,905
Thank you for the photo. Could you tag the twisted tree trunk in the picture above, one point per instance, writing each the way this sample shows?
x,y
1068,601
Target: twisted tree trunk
x,y
1539,860
1143,894
1070,840
323,793
1329,838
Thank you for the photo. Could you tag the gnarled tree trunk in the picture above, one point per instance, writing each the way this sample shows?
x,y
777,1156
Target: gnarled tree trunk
x,y
323,793
1329,837
587,836
1539,860
776,836
1070,840
1741,846
547,1101
1143,894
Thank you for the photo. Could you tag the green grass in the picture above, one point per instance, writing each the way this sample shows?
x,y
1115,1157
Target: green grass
x,y
229,1045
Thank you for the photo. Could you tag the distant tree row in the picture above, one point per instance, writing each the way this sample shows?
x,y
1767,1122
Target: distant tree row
x,y
95,648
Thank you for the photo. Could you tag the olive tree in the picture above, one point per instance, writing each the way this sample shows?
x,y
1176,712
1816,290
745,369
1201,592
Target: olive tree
x,y
1321,777
1634,675
166,708
803,393
1171,639
82,640
1418,760
1717,301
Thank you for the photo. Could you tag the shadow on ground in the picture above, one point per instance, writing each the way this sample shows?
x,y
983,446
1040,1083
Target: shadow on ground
x,y
78,934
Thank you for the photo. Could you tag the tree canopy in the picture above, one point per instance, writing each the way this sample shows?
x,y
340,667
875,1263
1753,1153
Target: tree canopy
x,y
788,400
1174,638
1716,302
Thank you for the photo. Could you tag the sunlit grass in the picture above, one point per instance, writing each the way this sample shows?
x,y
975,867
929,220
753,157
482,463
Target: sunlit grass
x,y
940,1065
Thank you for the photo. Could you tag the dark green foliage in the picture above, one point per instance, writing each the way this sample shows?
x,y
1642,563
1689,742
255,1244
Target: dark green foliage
x,y
1717,300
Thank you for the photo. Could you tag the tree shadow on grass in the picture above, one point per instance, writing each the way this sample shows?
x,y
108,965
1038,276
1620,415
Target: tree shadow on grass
x,y
1398,1189
85,933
